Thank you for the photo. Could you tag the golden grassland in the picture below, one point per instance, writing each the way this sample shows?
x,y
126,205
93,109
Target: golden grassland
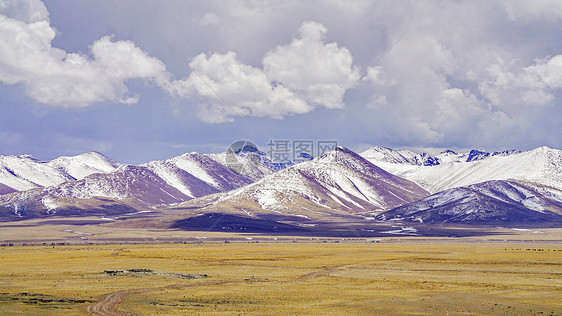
x,y
285,278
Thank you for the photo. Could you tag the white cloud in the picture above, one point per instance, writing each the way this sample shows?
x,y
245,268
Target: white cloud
x,y
24,10
55,77
525,10
465,73
229,88
506,85
317,71
462,76
209,18
295,78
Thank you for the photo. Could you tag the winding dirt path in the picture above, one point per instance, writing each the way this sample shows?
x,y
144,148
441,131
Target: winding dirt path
x,y
109,304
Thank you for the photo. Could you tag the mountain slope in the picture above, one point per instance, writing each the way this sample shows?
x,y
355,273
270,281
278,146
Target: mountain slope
x,y
489,203
384,154
4,189
542,165
196,175
85,164
252,165
26,172
338,182
137,186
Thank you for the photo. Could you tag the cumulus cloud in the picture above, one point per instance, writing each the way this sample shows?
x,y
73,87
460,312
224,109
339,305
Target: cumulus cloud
x,y
230,88
55,77
525,10
317,71
413,96
478,86
294,79
28,11
485,71
504,85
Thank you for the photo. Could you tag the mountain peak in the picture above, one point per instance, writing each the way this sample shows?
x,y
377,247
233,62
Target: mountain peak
x,y
384,154
448,152
92,154
338,181
476,154
486,203
27,156
338,154
544,149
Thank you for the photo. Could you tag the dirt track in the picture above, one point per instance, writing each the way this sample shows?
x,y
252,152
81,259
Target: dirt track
x,y
109,304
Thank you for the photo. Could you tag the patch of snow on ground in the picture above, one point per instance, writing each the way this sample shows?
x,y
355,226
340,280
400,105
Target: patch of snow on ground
x,y
402,231
50,203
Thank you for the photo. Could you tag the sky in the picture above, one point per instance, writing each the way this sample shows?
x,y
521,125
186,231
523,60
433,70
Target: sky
x,y
143,80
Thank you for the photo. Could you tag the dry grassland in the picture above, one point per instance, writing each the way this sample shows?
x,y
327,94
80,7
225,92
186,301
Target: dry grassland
x,y
284,279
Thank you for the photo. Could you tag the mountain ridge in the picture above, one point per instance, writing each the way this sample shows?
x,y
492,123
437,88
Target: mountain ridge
x,y
339,181
542,164
486,203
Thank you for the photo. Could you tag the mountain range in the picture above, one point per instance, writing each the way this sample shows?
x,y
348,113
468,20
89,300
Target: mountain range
x,y
377,185
338,182
495,202
26,172
450,170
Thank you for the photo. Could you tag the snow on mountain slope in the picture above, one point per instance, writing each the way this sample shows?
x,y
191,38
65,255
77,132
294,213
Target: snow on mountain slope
x,y
136,184
25,172
126,182
338,182
196,174
494,202
85,164
251,166
384,154
253,163
180,179
542,165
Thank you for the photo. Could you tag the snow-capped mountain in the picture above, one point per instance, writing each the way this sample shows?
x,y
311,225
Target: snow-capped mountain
x,y
490,203
135,185
542,165
338,182
250,165
169,181
474,155
85,164
389,155
196,175
384,154
26,172
253,163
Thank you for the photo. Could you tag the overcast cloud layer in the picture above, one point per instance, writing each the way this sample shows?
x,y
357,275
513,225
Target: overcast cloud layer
x,y
140,80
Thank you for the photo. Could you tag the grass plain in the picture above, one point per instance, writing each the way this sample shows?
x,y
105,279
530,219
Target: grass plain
x,y
284,279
